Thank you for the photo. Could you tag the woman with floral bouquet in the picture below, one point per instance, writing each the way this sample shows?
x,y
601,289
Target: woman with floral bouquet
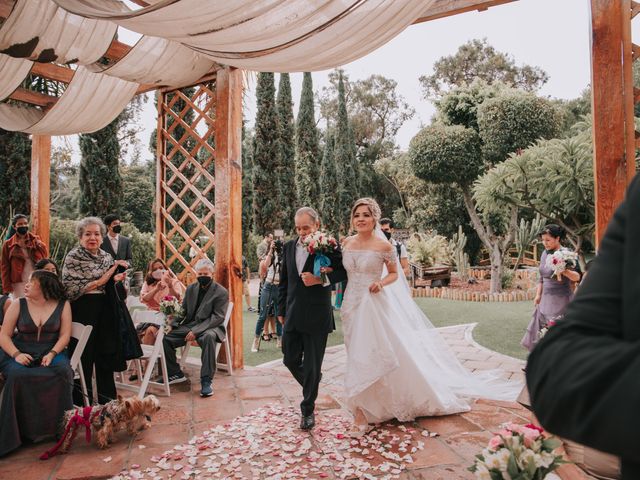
x,y
160,283
559,273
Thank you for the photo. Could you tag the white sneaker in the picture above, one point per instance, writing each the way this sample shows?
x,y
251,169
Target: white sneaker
x,y
254,346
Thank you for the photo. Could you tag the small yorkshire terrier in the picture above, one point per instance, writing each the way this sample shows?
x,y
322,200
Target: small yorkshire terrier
x,y
105,420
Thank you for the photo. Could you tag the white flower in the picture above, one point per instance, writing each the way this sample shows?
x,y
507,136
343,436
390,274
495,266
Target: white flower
x,y
482,472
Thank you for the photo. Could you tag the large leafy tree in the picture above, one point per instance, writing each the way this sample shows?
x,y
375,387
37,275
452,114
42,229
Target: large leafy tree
x,y
345,161
138,196
307,148
476,59
376,112
286,171
467,144
553,178
267,214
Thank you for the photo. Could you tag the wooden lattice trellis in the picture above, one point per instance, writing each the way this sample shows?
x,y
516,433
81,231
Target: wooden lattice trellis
x,y
185,184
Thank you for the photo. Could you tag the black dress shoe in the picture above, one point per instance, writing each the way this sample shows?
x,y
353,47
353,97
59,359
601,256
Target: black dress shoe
x,y
307,422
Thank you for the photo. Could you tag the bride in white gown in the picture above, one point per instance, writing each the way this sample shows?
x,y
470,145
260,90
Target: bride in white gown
x,y
398,366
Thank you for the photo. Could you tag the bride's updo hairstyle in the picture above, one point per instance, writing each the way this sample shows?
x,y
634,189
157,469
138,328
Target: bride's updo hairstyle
x,y
373,207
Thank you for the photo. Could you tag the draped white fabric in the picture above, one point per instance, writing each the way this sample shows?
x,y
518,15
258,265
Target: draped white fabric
x,y
40,30
12,72
182,41
90,102
158,61
267,35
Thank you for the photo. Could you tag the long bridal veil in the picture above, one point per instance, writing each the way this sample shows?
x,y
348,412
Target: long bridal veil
x,y
440,363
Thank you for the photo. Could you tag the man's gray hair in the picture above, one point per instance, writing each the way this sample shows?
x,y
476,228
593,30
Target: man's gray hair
x,y
82,225
309,211
204,263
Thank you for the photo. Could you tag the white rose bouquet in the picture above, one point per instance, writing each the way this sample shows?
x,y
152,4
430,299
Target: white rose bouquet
x,y
561,260
172,310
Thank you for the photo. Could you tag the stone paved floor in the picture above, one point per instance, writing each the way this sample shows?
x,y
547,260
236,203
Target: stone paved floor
x,y
185,414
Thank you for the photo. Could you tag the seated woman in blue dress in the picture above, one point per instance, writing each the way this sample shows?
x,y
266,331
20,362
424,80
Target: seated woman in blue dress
x,y
35,364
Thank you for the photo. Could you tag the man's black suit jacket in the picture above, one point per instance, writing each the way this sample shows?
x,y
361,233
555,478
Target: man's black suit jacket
x,y
124,248
584,375
306,309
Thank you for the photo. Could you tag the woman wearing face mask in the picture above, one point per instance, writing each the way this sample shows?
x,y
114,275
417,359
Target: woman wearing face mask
x,y
160,282
19,254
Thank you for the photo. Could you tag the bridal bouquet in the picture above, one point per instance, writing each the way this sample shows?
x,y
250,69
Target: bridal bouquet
x,y
321,245
561,260
518,452
545,329
171,307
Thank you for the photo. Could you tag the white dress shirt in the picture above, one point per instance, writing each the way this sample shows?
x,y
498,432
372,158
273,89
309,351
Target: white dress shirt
x,y
114,242
301,256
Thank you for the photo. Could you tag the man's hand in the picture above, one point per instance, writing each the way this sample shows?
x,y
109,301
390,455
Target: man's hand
x,y
281,319
309,279
190,337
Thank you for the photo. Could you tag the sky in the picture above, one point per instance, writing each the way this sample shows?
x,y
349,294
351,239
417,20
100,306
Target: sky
x,y
551,34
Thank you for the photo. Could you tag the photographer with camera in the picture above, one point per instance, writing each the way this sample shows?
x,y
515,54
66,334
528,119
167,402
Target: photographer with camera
x,y
269,268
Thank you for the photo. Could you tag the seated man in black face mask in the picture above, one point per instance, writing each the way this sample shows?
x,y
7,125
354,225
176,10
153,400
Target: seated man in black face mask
x,y
205,305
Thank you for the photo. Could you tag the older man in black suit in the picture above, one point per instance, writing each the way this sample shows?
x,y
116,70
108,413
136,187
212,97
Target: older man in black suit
x,y
583,376
306,311
205,305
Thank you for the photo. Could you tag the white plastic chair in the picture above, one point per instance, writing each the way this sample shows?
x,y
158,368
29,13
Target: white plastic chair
x,y
81,333
227,346
150,353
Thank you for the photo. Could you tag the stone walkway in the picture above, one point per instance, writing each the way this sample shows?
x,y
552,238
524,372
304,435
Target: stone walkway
x,y
184,415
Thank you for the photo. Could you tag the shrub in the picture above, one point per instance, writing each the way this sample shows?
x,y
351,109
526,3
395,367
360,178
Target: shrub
x,y
428,249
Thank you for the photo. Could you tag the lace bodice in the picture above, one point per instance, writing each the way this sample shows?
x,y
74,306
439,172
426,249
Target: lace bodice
x,y
364,266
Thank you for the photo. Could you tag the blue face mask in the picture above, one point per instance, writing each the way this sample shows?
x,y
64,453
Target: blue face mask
x,y
204,281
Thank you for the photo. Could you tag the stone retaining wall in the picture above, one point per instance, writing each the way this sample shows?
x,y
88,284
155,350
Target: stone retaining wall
x,y
454,294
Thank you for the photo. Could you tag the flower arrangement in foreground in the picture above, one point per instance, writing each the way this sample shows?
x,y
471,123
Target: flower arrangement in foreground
x,y
171,308
518,452
321,245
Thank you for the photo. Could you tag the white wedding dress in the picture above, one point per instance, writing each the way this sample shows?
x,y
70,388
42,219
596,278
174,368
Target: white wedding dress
x,y
398,366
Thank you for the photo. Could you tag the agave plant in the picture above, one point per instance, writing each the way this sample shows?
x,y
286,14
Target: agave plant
x,y
429,249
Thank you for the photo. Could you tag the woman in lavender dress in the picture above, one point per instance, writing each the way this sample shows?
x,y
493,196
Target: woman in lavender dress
x,y
553,295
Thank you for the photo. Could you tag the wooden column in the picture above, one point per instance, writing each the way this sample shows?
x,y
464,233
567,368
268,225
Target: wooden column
x,y
228,197
160,176
612,106
40,186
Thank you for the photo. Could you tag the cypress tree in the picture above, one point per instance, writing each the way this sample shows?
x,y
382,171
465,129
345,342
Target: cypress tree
x,y
247,185
286,173
307,148
345,160
329,208
15,174
99,177
267,214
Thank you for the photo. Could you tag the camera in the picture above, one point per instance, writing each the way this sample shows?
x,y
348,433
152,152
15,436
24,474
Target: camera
x,y
277,246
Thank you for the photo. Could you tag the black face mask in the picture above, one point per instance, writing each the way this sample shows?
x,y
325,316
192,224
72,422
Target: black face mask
x,y
204,281
117,229
22,230
387,234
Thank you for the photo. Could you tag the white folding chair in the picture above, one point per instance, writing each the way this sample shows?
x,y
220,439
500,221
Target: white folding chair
x,y
227,346
81,333
150,353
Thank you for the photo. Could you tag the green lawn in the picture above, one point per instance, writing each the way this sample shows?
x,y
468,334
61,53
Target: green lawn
x,y
500,326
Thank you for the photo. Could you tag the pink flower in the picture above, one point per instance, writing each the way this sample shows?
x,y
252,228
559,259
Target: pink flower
x,y
531,425
495,443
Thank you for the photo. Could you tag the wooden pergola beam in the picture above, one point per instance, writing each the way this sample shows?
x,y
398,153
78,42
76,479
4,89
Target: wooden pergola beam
x,y
5,7
447,8
33,98
40,186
